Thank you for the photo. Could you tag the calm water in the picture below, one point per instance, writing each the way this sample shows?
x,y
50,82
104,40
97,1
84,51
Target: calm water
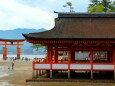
x,y
28,56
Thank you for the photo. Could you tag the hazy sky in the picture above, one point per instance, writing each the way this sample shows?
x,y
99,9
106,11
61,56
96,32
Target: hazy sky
x,y
34,13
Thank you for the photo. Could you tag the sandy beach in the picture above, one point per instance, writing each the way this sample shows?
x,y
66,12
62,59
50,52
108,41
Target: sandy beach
x,y
23,71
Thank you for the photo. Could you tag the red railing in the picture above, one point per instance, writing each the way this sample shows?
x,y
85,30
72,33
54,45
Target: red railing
x,y
69,63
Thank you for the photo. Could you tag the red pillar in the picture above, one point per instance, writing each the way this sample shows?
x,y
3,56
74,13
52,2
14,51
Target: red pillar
x,y
69,55
113,59
71,59
18,53
4,53
113,56
72,56
55,55
49,58
69,62
49,53
91,58
108,56
91,62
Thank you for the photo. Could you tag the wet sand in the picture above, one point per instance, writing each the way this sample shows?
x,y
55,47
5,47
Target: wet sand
x,y
23,71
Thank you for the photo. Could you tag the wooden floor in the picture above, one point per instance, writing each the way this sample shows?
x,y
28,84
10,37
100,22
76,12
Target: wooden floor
x,y
70,80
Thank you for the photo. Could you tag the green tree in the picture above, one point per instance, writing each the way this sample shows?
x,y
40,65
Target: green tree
x,y
69,4
101,6
94,2
36,46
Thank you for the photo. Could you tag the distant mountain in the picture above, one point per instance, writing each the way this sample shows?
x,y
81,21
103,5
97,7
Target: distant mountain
x,y
17,34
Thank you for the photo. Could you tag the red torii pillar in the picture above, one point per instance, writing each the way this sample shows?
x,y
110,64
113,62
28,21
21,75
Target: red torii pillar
x,y
18,51
4,51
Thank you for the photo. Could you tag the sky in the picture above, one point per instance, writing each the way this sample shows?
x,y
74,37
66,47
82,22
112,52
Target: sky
x,y
34,13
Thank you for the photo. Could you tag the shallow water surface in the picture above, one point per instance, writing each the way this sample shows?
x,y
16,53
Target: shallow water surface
x,y
2,74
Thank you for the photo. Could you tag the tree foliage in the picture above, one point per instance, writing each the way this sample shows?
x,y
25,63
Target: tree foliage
x,y
69,4
36,46
101,6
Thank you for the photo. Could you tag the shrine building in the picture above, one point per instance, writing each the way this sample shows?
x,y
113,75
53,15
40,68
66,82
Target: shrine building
x,y
78,42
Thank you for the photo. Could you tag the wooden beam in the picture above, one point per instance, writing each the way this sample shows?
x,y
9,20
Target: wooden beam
x,y
11,44
87,48
70,41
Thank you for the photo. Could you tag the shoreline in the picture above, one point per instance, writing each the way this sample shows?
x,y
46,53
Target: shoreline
x,y
23,71
24,55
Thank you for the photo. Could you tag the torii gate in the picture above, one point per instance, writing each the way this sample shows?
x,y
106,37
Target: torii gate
x,y
11,42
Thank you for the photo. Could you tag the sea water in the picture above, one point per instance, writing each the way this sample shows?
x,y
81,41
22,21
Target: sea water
x,y
25,56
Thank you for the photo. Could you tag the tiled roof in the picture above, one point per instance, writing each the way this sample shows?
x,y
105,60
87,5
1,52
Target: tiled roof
x,y
79,26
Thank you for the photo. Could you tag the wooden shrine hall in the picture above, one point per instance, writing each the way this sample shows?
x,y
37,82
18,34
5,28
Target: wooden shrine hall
x,y
86,42
11,42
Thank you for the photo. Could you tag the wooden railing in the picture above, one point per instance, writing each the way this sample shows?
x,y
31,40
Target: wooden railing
x,y
76,65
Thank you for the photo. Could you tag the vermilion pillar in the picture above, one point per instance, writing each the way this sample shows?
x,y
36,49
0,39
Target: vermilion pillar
x,y
91,62
69,55
49,59
69,61
113,59
4,53
55,55
113,56
49,54
72,56
18,53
